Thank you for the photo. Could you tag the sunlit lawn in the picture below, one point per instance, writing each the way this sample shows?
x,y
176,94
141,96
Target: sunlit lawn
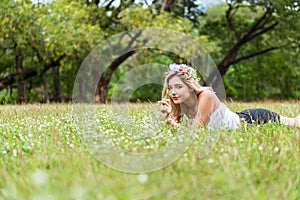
x,y
42,156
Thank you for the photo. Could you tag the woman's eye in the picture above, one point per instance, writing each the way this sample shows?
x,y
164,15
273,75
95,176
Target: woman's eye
x,y
178,86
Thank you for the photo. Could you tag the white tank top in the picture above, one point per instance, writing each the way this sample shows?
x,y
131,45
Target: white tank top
x,y
223,118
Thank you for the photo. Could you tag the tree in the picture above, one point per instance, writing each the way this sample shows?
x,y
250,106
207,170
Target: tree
x,y
247,21
189,9
53,35
138,17
15,20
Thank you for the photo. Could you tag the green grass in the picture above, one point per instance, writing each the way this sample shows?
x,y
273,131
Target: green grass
x,y
42,156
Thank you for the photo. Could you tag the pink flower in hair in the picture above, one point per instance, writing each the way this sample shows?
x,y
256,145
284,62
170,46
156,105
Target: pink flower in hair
x,y
180,69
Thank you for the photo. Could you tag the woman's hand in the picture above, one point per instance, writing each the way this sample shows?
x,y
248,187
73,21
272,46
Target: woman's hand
x,y
165,107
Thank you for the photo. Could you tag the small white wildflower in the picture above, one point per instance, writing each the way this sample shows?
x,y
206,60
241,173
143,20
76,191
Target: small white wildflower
x,y
142,178
276,149
14,152
195,136
260,148
77,192
134,149
39,177
210,160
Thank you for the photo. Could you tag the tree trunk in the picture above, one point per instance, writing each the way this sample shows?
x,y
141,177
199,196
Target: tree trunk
x,y
56,84
224,65
167,5
46,90
102,86
102,89
21,85
102,92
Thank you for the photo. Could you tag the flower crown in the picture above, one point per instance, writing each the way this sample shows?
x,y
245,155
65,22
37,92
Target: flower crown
x,y
184,69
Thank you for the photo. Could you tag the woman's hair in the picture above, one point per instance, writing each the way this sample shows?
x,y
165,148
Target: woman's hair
x,y
188,76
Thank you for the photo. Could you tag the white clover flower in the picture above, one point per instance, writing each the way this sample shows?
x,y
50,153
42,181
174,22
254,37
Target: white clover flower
x,y
39,177
142,178
14,152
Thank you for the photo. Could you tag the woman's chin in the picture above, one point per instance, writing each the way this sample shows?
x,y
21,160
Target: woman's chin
x,y
176,102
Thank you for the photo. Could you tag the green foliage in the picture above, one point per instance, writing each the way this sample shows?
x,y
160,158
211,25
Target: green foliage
x,y
45,33
272,76
137,17
67,31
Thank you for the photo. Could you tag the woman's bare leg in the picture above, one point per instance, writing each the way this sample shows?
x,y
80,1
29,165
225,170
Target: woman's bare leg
x,y
295,122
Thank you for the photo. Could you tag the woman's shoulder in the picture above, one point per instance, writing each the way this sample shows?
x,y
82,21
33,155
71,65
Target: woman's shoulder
x,y
205,90
208,94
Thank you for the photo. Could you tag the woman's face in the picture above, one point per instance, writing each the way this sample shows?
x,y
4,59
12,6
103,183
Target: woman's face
x,y
179,91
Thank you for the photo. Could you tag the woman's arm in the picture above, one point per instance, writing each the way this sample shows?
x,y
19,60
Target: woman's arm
x,y
208,102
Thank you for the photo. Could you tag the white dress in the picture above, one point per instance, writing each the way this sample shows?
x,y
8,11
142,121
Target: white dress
x,y
223,118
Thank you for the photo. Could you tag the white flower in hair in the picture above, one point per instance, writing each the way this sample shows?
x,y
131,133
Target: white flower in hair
x,y
177,68
183,68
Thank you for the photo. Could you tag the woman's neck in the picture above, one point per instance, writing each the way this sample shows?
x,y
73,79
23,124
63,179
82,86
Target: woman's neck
x,y
191,107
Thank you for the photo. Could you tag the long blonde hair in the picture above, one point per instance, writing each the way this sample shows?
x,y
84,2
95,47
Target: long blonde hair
x,y
187,75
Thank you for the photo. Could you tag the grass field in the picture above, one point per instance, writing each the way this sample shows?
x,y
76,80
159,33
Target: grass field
x,y
42,156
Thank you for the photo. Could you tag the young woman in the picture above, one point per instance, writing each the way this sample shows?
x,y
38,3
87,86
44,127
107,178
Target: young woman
x,y
183,95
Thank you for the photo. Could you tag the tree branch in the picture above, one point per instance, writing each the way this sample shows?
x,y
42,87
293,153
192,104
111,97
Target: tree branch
x,y
36,49
108,5
229,15
14,77
53,63
254,54
47,66
272,26
260,23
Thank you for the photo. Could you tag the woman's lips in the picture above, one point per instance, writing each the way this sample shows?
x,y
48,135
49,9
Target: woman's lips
x,y
175,98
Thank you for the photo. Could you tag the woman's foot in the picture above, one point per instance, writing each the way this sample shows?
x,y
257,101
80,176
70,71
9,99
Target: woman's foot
x,y
297,121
